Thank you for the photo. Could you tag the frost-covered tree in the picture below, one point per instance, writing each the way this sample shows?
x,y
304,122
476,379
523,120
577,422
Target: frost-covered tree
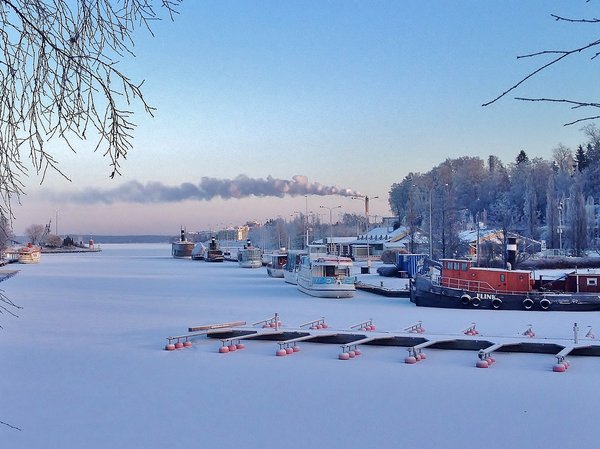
x,y
551,215
578,222
35,233
6,233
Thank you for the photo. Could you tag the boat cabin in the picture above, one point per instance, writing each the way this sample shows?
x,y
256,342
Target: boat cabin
x,y
462,274
278,261
584,281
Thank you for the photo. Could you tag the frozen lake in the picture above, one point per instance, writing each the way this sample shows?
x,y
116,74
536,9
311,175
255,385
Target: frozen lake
x,y
84,367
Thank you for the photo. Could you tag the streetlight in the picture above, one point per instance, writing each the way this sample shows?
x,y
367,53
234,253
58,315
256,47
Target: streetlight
x,y
330,209
366,200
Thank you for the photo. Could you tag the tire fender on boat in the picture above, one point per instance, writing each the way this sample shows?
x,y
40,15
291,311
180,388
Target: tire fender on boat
x,y
528,303
475,301
496,303
545,303
465,299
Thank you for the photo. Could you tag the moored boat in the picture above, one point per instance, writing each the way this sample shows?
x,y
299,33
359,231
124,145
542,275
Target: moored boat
x,y
182,248
250,256
276,264
199,251
458,284
214,253
30,254
326,276
290,271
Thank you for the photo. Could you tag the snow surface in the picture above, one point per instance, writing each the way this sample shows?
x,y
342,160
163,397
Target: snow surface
x,y
84,366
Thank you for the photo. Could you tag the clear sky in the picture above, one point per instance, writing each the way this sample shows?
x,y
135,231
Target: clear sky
x,y
348,94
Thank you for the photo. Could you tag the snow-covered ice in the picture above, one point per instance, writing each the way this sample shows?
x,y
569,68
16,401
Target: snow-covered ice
x,y
84,366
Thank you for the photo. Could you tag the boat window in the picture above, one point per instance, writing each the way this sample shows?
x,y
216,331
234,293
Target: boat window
x,y
464,266
330,270
456,266
592,282
502,277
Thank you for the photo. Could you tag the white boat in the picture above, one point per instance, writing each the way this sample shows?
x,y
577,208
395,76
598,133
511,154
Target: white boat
x,y
325,276
250,256
183,248
199,251
290,271
30,254
276,264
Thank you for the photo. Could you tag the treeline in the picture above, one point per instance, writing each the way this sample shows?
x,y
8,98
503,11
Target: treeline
x,y
552,200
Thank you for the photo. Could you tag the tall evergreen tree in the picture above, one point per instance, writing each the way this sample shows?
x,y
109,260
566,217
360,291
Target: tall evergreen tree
x,y
521,158
581,158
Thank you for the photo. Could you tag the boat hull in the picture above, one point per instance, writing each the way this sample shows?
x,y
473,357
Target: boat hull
x,y
182,250
275,272
425,293
327,291
291,277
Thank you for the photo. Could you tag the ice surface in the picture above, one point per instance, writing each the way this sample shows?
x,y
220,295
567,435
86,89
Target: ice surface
x,y
84,367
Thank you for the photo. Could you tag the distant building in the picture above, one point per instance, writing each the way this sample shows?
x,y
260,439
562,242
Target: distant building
x,y
386,237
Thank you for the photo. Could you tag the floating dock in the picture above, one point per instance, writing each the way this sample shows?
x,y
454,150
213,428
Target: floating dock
x,y
411,337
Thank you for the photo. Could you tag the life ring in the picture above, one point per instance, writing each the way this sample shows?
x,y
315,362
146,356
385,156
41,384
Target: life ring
x,y
496,303
475,301
545,303
528,303
465,299
328,281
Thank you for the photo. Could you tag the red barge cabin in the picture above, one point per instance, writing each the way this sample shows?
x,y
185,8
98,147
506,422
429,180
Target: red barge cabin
x,y
463,275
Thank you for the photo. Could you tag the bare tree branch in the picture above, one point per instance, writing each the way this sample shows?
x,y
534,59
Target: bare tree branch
x,y
563,54
575,105
557,56
11,426
59,79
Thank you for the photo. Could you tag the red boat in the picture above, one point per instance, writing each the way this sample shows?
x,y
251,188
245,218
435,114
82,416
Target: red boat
x,y
458,284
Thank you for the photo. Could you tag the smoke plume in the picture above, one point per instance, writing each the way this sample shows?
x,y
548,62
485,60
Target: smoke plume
x,y
207,189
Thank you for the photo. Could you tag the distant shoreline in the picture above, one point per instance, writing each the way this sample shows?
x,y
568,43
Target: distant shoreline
x,y
73,249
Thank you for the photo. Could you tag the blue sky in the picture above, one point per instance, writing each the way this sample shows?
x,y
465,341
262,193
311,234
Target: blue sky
x,y
348,94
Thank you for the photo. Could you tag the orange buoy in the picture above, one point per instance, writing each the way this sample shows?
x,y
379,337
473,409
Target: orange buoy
x,y
559,368
344,356
289,351
170,347
411,359
240,346
281,352
224,349
482,364
178,345
187,344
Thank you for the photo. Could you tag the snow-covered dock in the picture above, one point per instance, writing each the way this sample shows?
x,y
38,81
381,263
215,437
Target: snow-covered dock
x,y
288,338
